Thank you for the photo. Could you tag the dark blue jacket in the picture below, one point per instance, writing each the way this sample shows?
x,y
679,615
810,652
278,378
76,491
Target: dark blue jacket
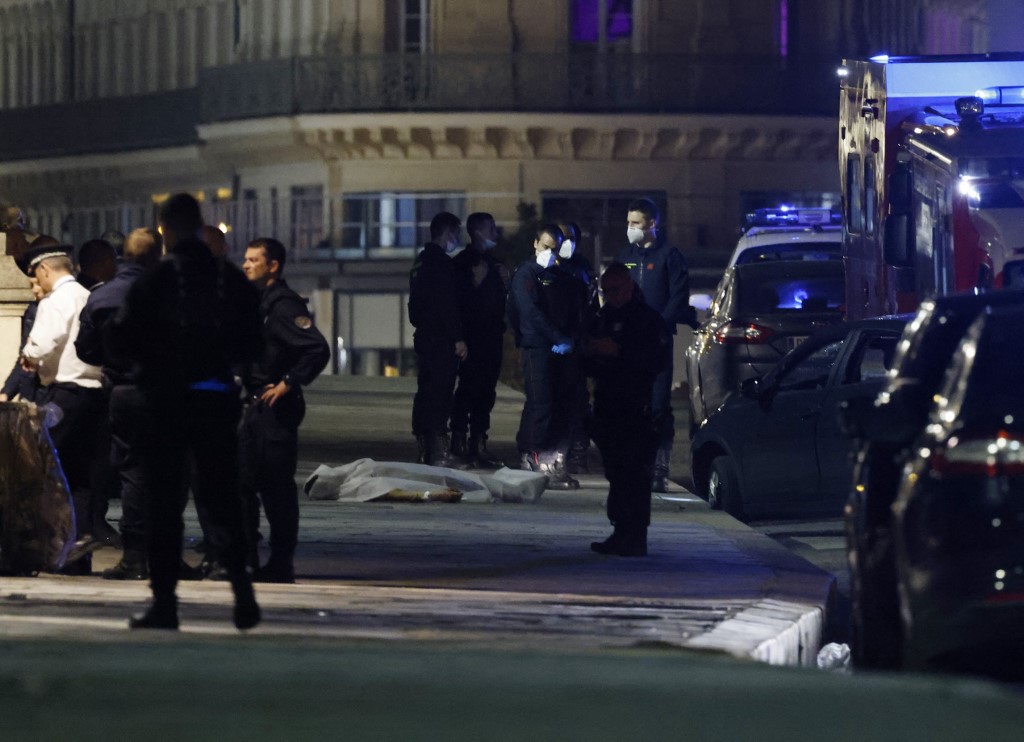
x,y
481,302
21,382
661,273
100,308
526,311
433,296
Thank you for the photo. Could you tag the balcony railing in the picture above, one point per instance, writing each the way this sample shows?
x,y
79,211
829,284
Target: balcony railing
x,y
642,83
573,83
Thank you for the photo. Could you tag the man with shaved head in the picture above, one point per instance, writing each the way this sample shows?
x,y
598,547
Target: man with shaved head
x,y
142,249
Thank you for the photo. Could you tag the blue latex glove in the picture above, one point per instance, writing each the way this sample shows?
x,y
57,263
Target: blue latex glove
x,y
562,349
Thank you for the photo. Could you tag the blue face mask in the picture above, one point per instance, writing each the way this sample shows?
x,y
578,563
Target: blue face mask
x,y
489,244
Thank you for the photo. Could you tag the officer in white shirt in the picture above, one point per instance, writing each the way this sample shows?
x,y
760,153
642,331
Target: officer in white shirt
x,y
68,383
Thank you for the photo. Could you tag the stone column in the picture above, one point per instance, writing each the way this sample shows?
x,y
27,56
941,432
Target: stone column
x,y
14,297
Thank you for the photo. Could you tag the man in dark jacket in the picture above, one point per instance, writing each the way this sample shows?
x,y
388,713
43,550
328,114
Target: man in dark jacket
x,y
141,250
439,340
482,288
626,347
540,320
294,353
186,324
660,272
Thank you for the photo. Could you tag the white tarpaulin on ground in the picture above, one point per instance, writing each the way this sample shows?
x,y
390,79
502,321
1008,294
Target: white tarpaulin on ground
x,y
365,480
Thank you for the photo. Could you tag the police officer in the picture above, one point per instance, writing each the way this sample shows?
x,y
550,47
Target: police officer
x,y
294,353
659,270
141,250
69,384
627,346
185,324
540,320
482,289
438,340
576,405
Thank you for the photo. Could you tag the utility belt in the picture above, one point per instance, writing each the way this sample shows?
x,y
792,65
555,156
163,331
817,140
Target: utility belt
x,y
219,386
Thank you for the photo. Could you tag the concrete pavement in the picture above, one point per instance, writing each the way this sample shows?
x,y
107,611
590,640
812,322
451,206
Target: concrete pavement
x,y
520,573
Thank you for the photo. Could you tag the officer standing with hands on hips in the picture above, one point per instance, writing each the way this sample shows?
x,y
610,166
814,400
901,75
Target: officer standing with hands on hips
x,y
659,270
294,353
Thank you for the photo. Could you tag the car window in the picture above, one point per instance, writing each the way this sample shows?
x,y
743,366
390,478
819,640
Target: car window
x,y
872,360
813,371
780,294
719,301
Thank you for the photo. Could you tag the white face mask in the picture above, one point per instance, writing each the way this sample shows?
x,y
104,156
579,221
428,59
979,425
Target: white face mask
x,y
635,235
567,249
545,258
489,243
452,246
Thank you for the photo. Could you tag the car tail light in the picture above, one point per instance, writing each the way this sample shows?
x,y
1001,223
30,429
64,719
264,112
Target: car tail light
x,y
998,455
735,333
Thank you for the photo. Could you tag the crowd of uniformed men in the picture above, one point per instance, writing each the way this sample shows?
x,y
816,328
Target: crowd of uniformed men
x,y
460,307
171,370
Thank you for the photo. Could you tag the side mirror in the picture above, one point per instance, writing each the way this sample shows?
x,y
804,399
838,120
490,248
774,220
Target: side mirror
x,y
898,241
751,388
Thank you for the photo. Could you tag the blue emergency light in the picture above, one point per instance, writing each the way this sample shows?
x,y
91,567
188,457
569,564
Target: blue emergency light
x,y
1002,95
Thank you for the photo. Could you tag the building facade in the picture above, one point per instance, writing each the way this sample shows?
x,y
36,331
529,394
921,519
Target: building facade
x,y
341,126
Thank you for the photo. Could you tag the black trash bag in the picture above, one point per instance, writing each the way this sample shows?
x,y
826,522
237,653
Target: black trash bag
x,y
37,517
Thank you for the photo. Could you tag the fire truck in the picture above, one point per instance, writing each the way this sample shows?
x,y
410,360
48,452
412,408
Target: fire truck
x,y
931,162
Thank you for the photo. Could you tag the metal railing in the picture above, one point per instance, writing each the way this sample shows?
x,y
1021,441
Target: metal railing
x,y
648,83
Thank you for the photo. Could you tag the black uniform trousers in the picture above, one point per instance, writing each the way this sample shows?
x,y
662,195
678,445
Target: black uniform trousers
x,y
268,442
478,380
74,437
661,403
203,424
628,443
535,421
437,366
569,400
126,405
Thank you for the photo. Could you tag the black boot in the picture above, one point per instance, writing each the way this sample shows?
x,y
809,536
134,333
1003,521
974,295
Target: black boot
x,y
480,456
440,455
659,483
558,477
460,449
577,461
247,610
623,543
277,571
163,614
423,444
131,567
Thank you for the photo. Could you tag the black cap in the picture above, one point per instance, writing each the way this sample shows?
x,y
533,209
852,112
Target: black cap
x,y
35,255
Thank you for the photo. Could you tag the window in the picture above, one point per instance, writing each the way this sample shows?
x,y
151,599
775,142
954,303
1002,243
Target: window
x,y
415,26
307,214
873,361
813,371
601,22
854,194
393,224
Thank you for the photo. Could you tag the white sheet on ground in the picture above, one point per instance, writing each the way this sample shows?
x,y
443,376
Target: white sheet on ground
x,y
365,480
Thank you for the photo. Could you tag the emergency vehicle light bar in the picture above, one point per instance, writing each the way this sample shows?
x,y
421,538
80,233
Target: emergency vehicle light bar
x,y
1002,95
787,216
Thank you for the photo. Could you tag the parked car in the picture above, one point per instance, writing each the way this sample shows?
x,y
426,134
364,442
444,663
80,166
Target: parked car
x,y
760,312
776,449
886,429
958,520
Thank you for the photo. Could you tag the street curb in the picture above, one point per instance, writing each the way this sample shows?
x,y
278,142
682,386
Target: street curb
x,y
775,632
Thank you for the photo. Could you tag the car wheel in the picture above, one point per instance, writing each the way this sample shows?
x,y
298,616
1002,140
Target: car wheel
x,y
724,487
874,608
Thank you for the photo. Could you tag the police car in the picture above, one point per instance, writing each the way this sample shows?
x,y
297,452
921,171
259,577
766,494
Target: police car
x,y
790,234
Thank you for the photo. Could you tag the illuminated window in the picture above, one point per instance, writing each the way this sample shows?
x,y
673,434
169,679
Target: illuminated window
x,y
587,16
